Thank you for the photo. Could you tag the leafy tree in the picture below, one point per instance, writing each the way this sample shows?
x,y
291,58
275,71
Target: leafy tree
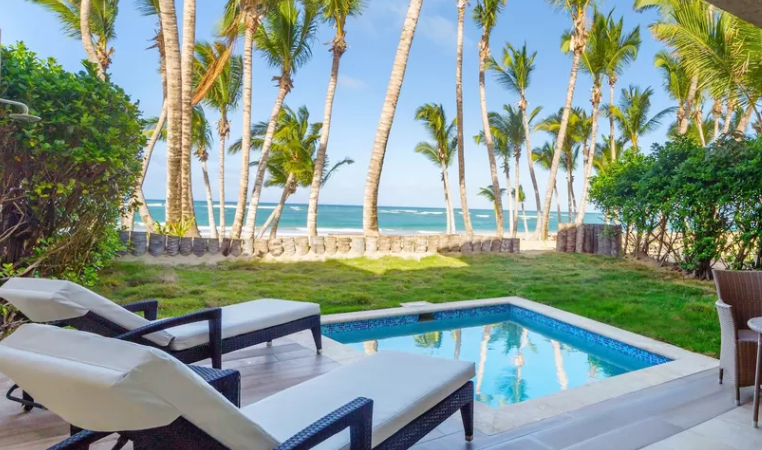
x,y
64,181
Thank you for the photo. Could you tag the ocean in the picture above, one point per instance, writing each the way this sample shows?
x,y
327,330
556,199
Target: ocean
x,y
347,219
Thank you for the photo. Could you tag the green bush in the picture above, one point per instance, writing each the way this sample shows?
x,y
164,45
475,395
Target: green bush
x,y
707,196
64,181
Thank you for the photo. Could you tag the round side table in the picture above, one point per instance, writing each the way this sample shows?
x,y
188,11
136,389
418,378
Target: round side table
x,y
755,325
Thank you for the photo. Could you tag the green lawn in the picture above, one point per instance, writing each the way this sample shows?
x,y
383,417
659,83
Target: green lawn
x,y
654,303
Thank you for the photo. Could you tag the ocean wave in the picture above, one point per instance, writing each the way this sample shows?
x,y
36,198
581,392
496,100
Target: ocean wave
x,y
429,213
482,215
428,232
226,206
335,230
154,204
295,208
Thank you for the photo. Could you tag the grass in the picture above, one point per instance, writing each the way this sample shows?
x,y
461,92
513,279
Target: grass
x,y
658,304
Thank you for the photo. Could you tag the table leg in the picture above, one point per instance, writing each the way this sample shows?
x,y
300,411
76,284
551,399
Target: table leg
x,y
756,381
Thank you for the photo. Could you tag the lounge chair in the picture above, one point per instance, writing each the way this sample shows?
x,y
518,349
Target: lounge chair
x,y
386,401
740,299
192,337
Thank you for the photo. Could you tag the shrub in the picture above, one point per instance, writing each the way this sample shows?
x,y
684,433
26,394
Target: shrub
x,y
64,181
704,199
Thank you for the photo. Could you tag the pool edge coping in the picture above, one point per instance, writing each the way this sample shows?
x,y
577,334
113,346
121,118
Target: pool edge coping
x,y
491,420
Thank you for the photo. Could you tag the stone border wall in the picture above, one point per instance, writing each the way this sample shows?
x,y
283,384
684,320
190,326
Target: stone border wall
x,y
586,238
143,243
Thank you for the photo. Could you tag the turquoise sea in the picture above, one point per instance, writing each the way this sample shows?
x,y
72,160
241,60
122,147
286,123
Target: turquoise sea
x,y
347,219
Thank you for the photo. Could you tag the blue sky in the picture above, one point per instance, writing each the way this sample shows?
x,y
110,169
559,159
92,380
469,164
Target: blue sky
x,y
408,179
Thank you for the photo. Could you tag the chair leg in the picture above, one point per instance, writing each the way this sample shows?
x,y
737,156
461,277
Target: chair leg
x,y
467,413
738,395
722,372
269,343
317,335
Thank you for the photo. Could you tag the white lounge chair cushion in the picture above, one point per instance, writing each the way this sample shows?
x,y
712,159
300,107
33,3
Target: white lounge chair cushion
x,y
43,300
243,318
104,384
402,386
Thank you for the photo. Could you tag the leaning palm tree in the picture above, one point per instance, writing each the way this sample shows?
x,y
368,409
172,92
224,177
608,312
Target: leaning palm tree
x,y
514,72
292,160
92,22
543,156
335,12
223,95
459,119
242,17
521,198
622,51
577,10
632,114
489,193
595,60
285,40
485,15
440,151
370,200
504,150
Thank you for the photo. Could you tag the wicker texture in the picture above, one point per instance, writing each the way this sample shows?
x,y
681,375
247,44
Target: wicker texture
x,y
740,299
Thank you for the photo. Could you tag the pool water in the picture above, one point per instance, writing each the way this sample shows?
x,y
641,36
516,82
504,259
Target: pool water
x,y
516,358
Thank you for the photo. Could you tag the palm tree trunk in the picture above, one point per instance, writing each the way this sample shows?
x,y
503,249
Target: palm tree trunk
x,y
507,171
87,37
174,110
256,191
459,106
744,122
223,135
483,55
209,202
563,379
700,128
287,189
558,204
515,230
569,188
243,183
596,101
338,49
370,201
267,223
482,358
145,213
530,162
728,116
448,201
186,69
457,336
524,213
716,113
612,129
689,105
559,144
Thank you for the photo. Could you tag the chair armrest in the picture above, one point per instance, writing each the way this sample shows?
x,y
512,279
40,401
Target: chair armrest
x,y
149,308
356,415
212,315
728,326
80,441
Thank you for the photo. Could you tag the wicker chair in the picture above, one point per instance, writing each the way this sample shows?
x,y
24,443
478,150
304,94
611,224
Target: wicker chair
x,y
388,401
740,299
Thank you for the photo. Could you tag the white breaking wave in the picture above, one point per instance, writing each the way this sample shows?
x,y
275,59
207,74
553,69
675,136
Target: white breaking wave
x,y
154,204
334,230
295,208
482,215
429,213
428,232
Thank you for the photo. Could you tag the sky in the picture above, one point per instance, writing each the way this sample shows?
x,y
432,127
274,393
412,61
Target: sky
x,y
408,179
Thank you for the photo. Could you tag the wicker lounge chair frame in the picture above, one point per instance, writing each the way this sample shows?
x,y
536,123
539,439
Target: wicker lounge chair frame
x,y
740,299
214,349
356,415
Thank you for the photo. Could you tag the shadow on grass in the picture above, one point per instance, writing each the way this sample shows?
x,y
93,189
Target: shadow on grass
x,y
657,304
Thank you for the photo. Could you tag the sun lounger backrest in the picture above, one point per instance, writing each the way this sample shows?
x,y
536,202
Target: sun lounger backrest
x,y
103,384
43,300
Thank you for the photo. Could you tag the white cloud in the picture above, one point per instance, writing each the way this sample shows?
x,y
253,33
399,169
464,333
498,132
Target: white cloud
x,y
351,83
440,30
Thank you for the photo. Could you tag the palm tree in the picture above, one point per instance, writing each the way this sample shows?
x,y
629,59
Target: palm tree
x,y
676,80
632,114
92,22
171,47
520,197
370,200
292,160
459,119
595,61
577,9
243,15
186,73
544,157
485,15
489,193
504,150
335,12
223,95
201,142
603,154
623,50
440,151
515,75
285,40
